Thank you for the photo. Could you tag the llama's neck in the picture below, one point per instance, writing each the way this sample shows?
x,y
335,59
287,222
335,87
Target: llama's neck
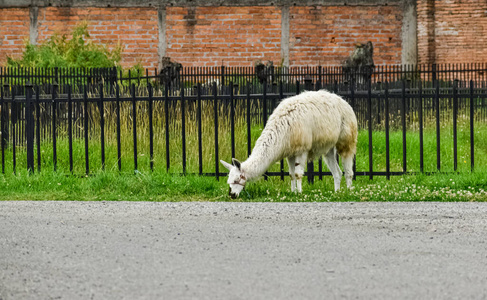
x,y
256,164
264,154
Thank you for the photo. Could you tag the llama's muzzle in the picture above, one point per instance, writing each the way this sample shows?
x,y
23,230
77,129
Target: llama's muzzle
x,y
232,195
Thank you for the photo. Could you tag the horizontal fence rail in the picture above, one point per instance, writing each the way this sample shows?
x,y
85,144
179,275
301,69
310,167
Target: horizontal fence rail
x,y
150,126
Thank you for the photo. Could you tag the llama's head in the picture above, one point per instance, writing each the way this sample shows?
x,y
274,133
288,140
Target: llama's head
x,y
236,179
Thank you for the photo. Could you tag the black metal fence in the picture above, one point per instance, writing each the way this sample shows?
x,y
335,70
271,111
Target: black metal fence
x,y
31,119
59,108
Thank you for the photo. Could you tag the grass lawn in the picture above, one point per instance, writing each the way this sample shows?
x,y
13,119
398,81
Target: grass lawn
x,y
156,186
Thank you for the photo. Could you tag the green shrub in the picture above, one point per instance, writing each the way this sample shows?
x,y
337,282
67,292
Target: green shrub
x,y
78,52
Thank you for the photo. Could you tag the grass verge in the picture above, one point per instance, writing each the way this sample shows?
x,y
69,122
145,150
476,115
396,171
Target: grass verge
x,y
112,186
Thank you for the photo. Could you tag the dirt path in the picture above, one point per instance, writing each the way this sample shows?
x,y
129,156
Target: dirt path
x,y
126,250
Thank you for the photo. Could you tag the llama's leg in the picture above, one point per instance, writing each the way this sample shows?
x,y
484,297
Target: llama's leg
x,y
331,162
291,163
300,164
348,168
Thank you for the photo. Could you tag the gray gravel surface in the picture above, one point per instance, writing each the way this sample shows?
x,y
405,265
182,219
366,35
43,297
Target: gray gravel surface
x,y
140,250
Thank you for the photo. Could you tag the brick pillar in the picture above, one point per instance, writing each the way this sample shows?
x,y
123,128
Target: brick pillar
x,y
426,32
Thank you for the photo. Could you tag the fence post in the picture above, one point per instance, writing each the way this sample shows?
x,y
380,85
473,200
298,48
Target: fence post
x,y
119,135
281,97
85,102
151,130
2,125
200,142
183,128
249,136
215,114
54,134
437,111
472,132
70,128
38,127
369,121
166,119
232,119
29,127
403,123
264,103
455,115
386,113
352,104
102,125
13,120
264,109
134,125
420,117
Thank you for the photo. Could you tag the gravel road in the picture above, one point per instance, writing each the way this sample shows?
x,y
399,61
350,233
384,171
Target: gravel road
x,y
140,250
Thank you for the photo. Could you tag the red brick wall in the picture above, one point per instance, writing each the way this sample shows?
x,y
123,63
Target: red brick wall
x,y
135,28
234,36
448,32
327,35
455,33
426,31
14,31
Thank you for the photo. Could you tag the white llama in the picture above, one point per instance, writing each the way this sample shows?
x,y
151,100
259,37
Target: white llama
x,y
301,129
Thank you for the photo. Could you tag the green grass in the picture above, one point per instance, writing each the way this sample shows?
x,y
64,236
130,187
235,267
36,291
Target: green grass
x,y
159,185
224,152
429,146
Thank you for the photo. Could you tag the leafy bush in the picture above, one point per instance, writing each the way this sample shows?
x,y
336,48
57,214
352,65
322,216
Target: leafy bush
x,y
78,52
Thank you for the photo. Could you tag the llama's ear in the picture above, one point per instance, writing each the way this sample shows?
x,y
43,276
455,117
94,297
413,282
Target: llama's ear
x,y
226,165
236,163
